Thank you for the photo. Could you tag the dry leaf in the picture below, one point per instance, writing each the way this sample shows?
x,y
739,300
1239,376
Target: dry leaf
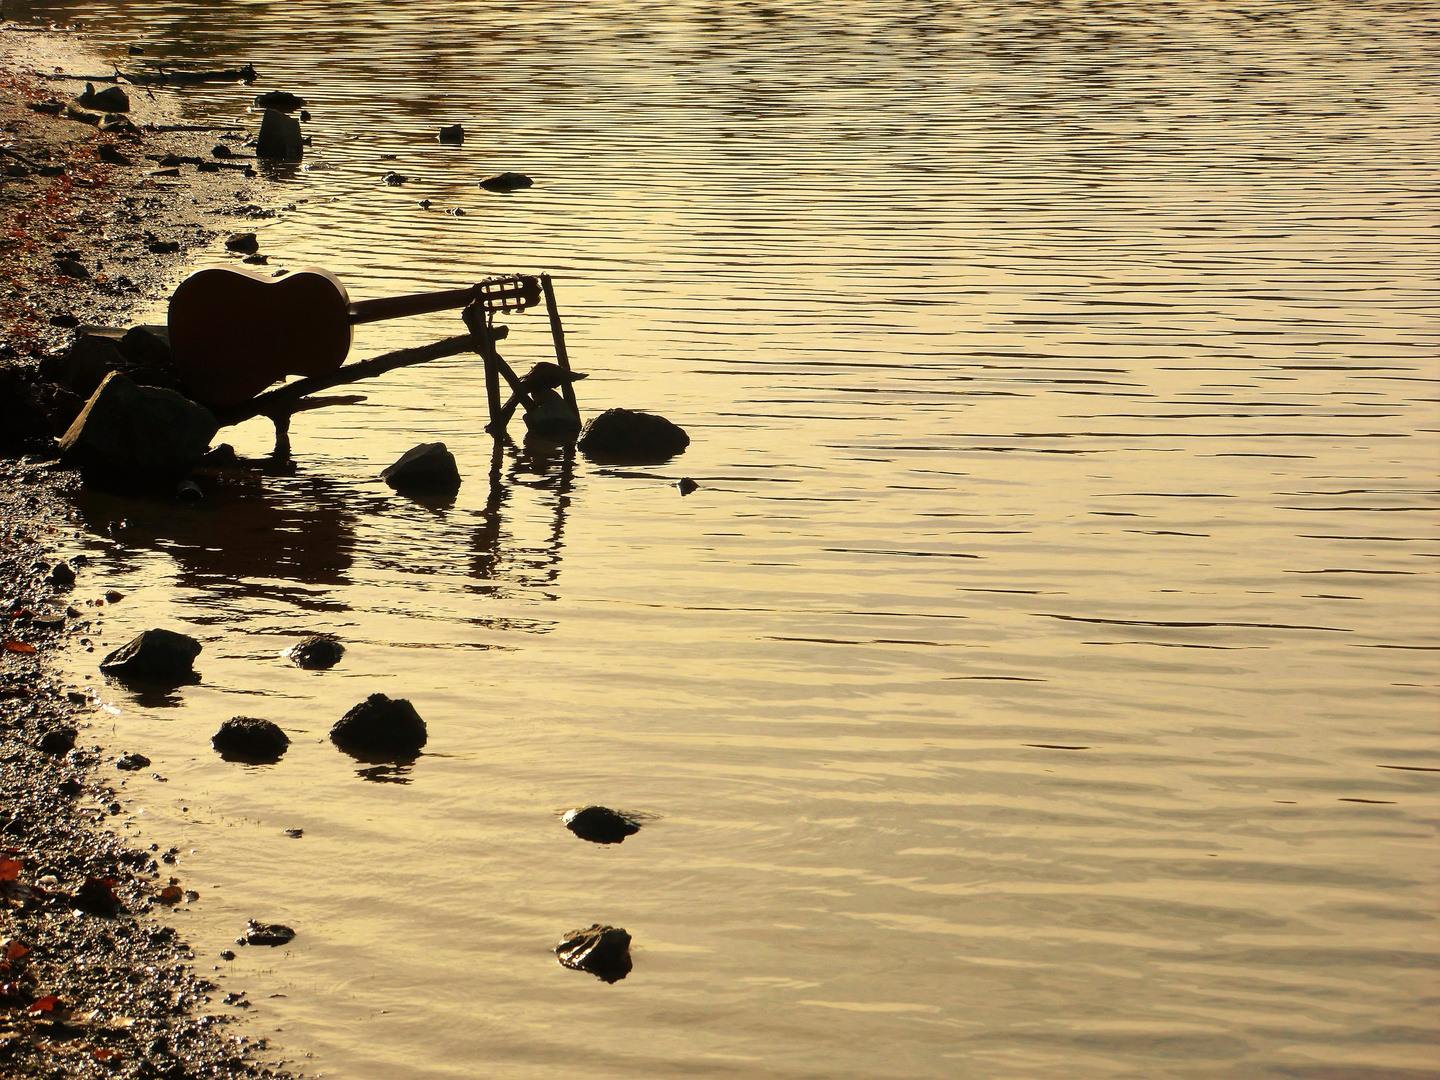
x,y
16,645
10,869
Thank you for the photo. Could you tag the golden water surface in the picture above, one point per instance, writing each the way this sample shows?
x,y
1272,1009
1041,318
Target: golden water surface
x,y
1041,682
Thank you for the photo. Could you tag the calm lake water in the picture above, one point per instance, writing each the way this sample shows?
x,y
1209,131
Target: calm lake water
x,y
1042,681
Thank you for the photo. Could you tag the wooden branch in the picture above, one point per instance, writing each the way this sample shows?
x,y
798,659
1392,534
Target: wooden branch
x,y
286,399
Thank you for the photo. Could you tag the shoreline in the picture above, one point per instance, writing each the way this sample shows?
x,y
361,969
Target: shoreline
x,y
92,980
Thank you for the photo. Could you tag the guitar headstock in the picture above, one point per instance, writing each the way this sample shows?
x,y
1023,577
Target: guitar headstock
x,y
513,292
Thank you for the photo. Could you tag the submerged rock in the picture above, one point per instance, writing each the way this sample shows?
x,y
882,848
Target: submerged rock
x,y
248,739
316,653
258,933
427,467
506,181
604,951
600,824
161,655
629,436
452,134
382,726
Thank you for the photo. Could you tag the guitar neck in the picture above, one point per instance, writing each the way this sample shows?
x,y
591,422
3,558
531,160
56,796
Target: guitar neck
x,y
497,294
397,307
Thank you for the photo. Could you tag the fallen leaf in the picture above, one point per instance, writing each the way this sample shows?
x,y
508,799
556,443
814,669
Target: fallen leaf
x,y
45,1004
14,950
15,645
10,869
101,1053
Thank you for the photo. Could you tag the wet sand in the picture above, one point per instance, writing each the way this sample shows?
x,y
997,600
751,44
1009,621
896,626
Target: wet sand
x,y
93,982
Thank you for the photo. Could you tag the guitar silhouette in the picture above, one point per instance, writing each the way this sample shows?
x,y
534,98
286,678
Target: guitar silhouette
x,y
233,332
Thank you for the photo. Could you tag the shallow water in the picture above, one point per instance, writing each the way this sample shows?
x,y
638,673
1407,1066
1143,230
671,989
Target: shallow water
x,y
1041,682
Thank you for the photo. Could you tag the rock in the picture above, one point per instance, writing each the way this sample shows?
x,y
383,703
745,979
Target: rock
x,y
109,154
147,346
115,122
548,376
245,738
427,467
220,150
604,951
280,138
246,243
294,834
161,655
552,417
686,485
380,725
258,933
110,100
72,268
281,100
97,896
132,762
65,321
317,653
58,740
63,575
394,179
128,434
114,596
163,247
600,824
506,181
452,134
627,436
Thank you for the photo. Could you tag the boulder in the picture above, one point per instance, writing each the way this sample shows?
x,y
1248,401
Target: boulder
x,y
131,434
246,243
147,346
628,436
604,951
316,653
452,134
245,738
160,655
380,726
427,467
280,138
506,181
600,824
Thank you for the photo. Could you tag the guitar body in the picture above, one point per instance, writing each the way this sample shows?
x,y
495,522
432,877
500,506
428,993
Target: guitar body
x,y
234,332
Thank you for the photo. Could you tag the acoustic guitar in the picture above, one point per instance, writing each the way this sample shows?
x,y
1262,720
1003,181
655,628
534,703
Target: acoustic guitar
x,y
234,332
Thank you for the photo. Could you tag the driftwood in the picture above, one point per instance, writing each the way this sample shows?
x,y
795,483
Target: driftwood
x,y
161,77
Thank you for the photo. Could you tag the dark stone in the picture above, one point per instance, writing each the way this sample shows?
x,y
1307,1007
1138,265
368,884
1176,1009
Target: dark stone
x,y
63,575
111,155
257,933
317,653
97,896
427,467
245,243
506,181
552,417
58,740
147,346
395,179
280,138
72,268
227,954
380,726
84,365
686,485
220,150
600,824
161,655
628,436
132,762
244,738
163,247
452,134
604,951
110,100
129,434
64,321
281,100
